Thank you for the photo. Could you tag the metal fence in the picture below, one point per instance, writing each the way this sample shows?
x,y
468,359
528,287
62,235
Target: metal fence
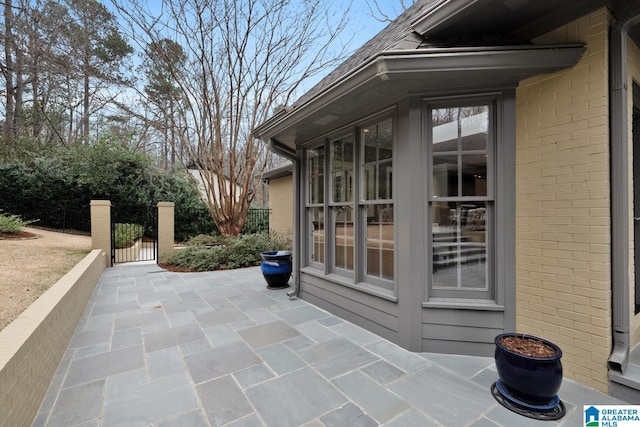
x,y
51,217
79,221
257,221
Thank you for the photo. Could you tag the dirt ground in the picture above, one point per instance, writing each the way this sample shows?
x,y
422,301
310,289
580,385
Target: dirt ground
x,y
28,267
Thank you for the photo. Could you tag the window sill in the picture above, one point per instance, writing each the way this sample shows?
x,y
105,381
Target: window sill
x,y
463,304
368,288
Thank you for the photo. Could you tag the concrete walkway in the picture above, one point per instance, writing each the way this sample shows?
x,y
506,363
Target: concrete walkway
x,y
156,348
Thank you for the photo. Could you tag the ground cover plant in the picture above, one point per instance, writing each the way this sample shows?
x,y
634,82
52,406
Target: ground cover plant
x,y
12,224
209,252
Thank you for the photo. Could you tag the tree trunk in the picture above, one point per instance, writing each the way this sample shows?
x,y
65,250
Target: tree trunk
x,y
9,70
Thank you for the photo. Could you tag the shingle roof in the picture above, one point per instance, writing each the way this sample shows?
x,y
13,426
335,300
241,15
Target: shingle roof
x,y
397,35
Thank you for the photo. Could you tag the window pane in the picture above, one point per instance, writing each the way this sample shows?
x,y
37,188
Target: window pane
x,y
380,241
316,189
315,168
369,181
316,234
474,175
444,133
342,169
474,124
445,176
378,160
370,144
459,246
385,181
385,139
343,237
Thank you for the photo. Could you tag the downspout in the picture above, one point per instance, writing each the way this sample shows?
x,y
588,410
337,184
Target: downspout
x,y
619,131
290,154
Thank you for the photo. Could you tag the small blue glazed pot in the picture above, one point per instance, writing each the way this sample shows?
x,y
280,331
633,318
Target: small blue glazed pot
x,y
533,381
276,268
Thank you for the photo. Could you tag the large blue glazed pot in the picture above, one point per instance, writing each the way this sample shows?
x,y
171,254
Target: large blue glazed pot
x,y
532,381
276,268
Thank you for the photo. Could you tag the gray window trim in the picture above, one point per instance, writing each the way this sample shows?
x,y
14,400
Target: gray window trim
x,y
468,298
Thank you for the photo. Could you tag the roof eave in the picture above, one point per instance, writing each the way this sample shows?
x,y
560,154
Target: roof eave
x,y
443,14
508,63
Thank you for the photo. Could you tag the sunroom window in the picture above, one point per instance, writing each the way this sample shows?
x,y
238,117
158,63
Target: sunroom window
x,y
315,205
377,199
356,203
461,200
341,201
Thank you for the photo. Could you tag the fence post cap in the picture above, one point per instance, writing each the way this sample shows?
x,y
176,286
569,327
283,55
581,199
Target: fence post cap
x,y
101,203
166,204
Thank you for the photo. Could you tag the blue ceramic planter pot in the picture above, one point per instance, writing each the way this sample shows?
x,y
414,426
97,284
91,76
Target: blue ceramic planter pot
x,y
529,381
276,268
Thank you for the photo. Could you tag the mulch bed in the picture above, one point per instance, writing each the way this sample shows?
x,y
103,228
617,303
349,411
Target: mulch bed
x,y
17,236
175,268
528,346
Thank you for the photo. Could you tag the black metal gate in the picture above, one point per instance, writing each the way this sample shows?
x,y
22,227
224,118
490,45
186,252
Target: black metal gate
x,y
134,234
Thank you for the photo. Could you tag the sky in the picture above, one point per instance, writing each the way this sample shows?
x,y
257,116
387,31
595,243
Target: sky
x,y
365,26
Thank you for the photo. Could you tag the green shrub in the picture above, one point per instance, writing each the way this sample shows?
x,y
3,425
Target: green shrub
x,y
127,234
243,251
207,240
13,223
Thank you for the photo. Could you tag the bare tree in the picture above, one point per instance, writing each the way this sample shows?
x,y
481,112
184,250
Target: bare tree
x,y
242,58
9,72
383,14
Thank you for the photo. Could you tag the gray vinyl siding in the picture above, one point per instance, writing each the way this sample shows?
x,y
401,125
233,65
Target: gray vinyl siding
x,y
460,331
371,312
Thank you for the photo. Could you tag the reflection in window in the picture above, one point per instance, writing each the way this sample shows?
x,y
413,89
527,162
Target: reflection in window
x,y
343,237
460,203
380,242
341,166
315,204
459,245
316,235
342,169
315,162
459,138
377,186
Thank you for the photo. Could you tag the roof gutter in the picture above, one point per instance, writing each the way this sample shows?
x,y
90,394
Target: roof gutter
x,y
432,63
618,98
287,153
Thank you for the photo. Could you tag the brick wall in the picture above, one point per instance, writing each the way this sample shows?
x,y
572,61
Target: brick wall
x,y
32,346
563,205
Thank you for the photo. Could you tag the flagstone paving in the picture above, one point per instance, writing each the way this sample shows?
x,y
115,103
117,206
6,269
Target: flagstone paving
x,y
156,348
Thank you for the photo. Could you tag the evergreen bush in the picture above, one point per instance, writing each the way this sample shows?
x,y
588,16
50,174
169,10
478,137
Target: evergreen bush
x,y
206,253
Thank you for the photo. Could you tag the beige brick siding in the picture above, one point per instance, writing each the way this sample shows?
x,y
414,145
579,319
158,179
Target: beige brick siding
x,y
32,346
281,204
563,205
633,58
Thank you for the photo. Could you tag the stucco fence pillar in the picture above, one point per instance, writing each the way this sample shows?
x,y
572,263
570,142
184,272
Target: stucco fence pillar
x,y
165,229
101,227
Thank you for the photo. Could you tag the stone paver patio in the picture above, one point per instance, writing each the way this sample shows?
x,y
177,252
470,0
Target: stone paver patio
x,y
156,348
